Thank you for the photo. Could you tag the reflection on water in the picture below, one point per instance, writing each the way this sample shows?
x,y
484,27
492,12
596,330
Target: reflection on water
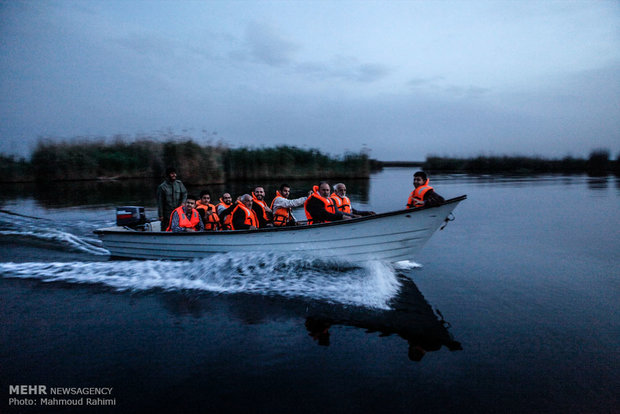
x,y
409,316
80,193
598,183
391,183
142,192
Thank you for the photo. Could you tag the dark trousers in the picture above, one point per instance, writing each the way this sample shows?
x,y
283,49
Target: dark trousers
x,y
165,222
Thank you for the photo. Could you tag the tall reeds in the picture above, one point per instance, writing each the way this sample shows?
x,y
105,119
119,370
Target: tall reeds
x,y
15,170
286,162
88,159
597,163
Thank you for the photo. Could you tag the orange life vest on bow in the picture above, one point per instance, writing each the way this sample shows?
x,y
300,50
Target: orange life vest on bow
x,y
211,221
250,216
416,198
329,205
227,224
183,220
263,206
280,216
342,203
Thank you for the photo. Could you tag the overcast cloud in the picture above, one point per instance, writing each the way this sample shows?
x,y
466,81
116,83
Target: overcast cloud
x,y
404,78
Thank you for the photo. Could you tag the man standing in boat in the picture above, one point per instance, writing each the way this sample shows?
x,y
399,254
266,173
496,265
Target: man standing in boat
x,y
343,203
170,195
282,207
423,194
320,208
186,218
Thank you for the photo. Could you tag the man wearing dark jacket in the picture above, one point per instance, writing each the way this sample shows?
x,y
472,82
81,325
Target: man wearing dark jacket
x,y
170,195
243,217
320,208
260,207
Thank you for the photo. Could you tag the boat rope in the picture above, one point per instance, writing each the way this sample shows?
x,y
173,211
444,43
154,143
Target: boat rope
x,y
447,220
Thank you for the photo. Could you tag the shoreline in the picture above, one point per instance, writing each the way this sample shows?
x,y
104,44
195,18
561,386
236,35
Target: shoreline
x,y
520,172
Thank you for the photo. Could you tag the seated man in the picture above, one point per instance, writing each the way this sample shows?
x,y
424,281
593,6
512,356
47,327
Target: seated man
x,y
343,203
320,208
223,209
263,212
423,194
282,207
243,217
209,217
225,202
186,218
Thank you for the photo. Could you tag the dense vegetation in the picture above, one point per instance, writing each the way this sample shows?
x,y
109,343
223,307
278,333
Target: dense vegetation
x,y
597,163
216,163
196,164
85,160
285,162
14,170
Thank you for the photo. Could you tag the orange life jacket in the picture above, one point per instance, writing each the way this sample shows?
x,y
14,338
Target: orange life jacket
x,y
222,203
329,205
262,205
416,198
183,220
227,224
342,203
280,216
211,221
250,216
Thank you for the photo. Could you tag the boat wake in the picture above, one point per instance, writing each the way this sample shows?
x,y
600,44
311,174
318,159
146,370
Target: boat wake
x,y
372,285
407,265
33,230
60,239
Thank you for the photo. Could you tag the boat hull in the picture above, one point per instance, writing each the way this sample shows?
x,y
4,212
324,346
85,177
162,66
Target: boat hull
x,y
392,237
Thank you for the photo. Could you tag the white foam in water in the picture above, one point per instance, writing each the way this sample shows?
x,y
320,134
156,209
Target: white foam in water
x,y
406,265
372,285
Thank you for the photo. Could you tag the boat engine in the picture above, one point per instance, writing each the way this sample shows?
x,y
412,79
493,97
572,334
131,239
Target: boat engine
x,y
131,216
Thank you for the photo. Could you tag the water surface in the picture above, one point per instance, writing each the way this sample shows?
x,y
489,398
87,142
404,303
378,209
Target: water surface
x,y
512,308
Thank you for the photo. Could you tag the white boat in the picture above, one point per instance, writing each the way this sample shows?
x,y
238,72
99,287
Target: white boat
x,y
392,237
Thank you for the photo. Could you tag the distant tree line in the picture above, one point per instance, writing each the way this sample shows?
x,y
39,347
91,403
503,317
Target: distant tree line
x,y
286,162
598,163
83,159
118,158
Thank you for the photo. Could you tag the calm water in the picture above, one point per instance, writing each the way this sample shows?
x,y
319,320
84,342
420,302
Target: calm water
x,y
513,308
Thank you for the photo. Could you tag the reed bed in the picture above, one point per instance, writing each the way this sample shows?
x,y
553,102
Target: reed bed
x,y
99,159
596,164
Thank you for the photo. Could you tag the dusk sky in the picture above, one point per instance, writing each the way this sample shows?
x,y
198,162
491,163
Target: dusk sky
x,y
403,78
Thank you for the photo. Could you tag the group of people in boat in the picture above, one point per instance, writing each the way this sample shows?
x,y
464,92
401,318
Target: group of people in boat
x,y
179,211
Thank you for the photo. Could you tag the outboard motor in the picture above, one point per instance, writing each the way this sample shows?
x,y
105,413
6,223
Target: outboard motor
x,y
131,216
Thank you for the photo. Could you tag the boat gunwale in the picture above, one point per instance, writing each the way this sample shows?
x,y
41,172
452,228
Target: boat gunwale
x,y
274,229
